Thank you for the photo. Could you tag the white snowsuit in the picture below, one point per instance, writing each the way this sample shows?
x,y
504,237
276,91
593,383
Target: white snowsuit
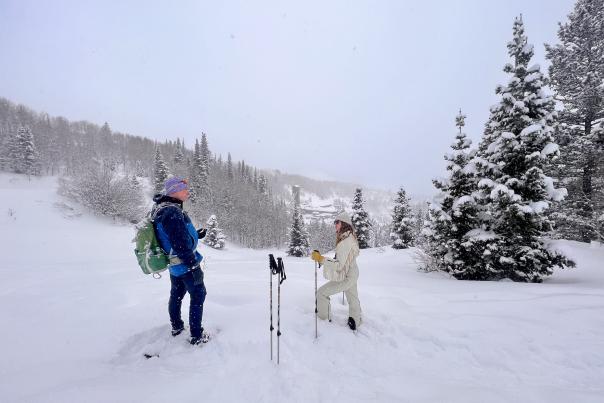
x,y
343,273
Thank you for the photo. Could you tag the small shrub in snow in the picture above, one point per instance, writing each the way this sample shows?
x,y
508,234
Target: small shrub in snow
x,y
214,237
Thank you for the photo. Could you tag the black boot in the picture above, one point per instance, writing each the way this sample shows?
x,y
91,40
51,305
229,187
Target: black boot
x,y
352,324
176,332
204,338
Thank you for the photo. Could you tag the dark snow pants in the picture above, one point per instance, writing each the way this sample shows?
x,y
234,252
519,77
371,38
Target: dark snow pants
x,y
180,286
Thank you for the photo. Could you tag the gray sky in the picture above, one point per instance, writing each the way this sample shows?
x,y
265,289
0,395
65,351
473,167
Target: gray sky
x,y
362,91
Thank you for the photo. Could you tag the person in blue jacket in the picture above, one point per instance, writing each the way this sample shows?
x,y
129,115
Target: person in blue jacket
x,y
178,237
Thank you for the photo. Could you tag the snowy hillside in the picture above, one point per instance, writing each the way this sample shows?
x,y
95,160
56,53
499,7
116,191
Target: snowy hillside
x,y
78,316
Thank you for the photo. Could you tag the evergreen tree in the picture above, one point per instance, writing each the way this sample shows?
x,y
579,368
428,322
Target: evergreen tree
x,y
30,155
298,244
214,237
22,153
160,172
204,171
577,74
402,223
179,162
360,220
229,167
195,174
451,235
513,190
179,157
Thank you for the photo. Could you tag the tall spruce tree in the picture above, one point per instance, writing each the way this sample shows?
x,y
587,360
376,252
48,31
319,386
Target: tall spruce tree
x,y
452,225
160,171
204,171
514,192
577,74
29,154
360,220
179,161
402,222
194,174
229,167
298,241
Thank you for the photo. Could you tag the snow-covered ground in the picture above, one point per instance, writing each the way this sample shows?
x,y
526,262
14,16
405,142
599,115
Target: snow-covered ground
x,y
78,315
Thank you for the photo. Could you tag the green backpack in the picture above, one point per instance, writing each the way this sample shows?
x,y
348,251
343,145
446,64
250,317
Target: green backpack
x,y
151,258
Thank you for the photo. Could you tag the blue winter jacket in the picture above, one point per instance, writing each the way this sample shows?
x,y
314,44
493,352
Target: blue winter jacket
x,y
176,234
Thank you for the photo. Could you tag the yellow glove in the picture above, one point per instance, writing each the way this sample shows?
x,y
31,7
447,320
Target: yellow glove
x,y
316,256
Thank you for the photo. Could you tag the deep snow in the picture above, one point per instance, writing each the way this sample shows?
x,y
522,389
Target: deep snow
x,y
78,314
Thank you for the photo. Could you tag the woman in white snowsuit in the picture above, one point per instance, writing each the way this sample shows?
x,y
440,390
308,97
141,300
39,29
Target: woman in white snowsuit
x,y
341,271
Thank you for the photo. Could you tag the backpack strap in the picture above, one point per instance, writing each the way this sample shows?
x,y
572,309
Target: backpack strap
x,y
174,260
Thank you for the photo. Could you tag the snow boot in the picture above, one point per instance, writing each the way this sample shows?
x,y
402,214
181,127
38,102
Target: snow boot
x,y
352,324
176,332
205,337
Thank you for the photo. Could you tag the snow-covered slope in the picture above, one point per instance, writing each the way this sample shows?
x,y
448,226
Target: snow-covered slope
x,y
78,316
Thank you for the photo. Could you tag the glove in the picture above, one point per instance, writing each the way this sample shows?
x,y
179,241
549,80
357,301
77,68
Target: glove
x,y
201,233
316,256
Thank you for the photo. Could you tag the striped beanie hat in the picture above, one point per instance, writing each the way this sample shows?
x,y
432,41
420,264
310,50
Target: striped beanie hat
x,y
175,184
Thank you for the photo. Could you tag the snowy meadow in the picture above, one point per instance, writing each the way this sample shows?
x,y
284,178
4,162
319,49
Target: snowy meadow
x,y
79,315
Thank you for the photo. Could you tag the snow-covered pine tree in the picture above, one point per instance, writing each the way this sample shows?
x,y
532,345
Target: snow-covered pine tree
x,y
229,167
577,74
22,155
298,242
514,192
160,171
195,174
360,220
214,237
179,156
401,233
451,234
204,171
29,155
179,162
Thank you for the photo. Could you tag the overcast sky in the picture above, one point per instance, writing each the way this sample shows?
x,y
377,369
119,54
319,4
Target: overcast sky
x,y
361,91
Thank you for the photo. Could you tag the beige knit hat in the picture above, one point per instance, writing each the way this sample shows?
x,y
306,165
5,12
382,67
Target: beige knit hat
x,y
344,217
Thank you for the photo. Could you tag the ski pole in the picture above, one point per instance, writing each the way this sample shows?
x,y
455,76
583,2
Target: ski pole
x,y
271,259
281,272
316,310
